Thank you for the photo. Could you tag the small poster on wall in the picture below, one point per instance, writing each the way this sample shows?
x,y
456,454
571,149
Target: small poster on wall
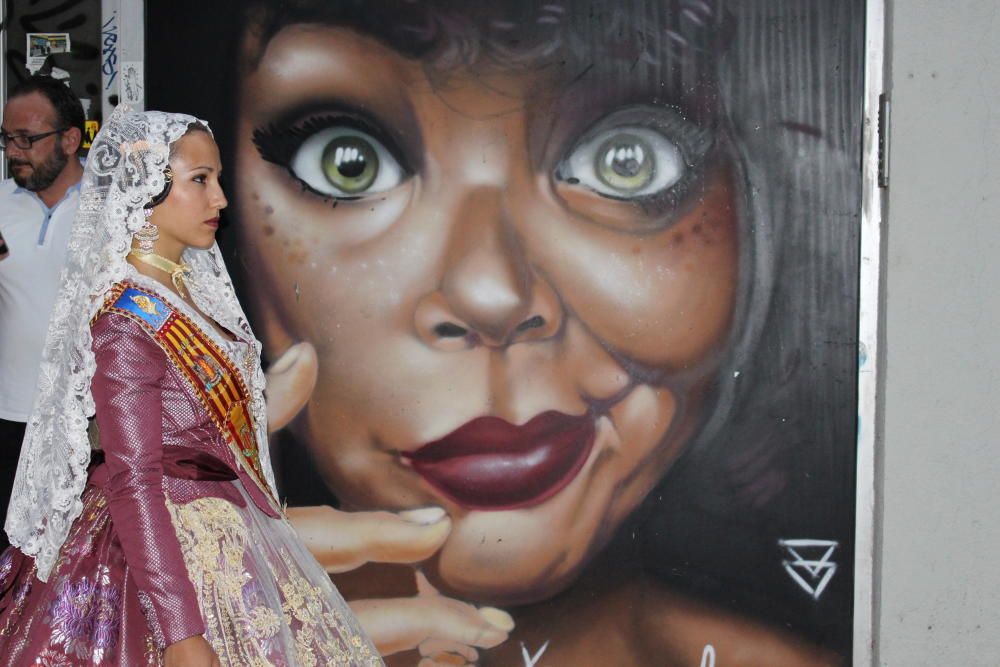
x,y
131,90
90,129
41,45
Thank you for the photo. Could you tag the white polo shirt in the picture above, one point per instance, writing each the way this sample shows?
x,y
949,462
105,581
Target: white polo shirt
x,y
36,237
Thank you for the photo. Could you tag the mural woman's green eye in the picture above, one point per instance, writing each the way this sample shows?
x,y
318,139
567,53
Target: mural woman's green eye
x,y
351,164
344,162
625,162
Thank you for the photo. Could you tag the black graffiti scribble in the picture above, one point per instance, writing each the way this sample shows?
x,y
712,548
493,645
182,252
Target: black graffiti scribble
x,y
65,16
28,20
109,34
72,22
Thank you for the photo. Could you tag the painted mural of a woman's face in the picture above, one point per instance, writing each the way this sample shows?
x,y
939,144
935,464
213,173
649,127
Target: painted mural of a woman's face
x,y
519,276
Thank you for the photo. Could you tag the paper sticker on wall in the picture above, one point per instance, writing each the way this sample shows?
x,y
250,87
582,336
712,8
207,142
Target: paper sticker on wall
x,y
41,45
132,84
90,128
810,565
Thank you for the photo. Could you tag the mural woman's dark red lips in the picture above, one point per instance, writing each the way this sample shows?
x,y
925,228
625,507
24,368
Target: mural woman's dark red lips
x,y
491,464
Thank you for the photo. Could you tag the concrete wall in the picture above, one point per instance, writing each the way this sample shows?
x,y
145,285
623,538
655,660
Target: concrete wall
x,y
940,575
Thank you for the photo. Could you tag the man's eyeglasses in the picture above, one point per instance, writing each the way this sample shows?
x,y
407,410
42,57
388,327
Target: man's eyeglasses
x,y
25,141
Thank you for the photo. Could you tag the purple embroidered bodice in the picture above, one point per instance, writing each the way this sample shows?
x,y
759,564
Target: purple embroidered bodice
x,y
144,409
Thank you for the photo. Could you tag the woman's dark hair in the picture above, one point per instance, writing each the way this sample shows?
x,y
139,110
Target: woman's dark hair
x,y
168,181
69,110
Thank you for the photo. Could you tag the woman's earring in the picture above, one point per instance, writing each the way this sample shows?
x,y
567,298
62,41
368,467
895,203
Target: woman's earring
x,y
147,234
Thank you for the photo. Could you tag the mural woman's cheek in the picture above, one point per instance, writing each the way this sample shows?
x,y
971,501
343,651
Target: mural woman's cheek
x,y
663,298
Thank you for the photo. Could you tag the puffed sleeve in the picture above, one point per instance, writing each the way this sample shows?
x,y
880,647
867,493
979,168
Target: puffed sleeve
x,y
128,396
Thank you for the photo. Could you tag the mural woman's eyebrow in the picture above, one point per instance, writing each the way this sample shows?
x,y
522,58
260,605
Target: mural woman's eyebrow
x,y
512,34
405,28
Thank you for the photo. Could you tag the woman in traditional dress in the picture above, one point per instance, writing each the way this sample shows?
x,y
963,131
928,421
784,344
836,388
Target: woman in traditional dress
x,y
167,545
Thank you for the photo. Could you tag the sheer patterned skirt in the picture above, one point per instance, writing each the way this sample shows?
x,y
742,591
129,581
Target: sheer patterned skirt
x,y
264,599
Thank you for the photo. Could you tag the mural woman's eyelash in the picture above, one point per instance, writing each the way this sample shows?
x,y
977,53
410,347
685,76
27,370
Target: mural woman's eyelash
x,y
278,142
653,142
671,200
274,145
337,157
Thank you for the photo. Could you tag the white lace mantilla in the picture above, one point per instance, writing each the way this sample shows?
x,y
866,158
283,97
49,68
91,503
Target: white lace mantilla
x,y
124,171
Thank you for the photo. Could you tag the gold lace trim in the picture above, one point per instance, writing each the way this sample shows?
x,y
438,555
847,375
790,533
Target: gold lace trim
x,y
242,628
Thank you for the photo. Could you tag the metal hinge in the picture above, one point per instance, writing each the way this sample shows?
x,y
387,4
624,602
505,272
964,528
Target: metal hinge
x,y
884,112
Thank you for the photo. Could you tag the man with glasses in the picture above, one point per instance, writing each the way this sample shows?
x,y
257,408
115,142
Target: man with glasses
x,y
40,135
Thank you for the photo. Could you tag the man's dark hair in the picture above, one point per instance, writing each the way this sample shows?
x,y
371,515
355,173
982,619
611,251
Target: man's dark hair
x,y
69,111
196,126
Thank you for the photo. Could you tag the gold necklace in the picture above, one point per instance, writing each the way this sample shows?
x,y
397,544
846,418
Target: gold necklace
x,y
176,271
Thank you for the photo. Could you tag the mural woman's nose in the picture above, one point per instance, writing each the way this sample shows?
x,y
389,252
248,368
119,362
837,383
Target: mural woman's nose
x,y
489,293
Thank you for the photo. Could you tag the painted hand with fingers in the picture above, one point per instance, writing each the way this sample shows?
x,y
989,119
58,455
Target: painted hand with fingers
x,y
444,631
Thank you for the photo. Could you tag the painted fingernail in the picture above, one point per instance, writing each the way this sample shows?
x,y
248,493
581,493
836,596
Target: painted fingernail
x,y
498,618
424,516
287,360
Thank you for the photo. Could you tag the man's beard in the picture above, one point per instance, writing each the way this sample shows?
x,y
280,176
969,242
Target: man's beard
x,y
42,175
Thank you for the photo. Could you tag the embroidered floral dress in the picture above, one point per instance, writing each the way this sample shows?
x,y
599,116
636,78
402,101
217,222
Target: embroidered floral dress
x,y
179,535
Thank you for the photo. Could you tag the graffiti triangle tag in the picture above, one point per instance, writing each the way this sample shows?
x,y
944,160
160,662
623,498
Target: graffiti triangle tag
x,y
809,563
